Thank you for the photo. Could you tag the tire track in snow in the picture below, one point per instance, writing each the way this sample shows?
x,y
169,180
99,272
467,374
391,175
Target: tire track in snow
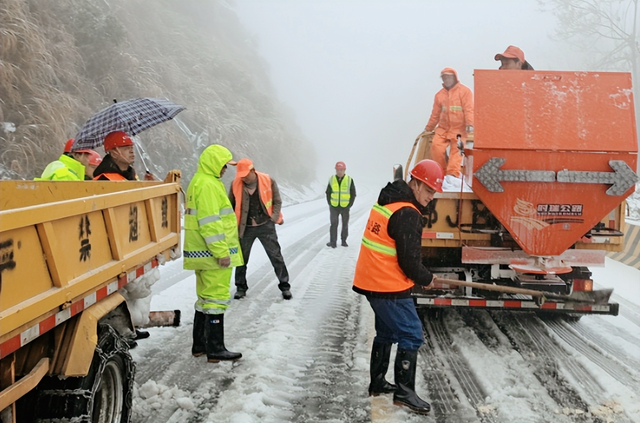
x,y
566,380
329,385
607,345
617,369
444,362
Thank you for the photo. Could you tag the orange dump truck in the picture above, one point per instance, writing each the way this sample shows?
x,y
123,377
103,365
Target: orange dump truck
x,y
553,159
66,248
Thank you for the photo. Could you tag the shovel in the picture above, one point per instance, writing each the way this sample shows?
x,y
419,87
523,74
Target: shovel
x,y
594,297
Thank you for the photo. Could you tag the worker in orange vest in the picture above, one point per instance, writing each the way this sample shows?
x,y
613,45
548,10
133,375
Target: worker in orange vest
x,y
388,266
256,201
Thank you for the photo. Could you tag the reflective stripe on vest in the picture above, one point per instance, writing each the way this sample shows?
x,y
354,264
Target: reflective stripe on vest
x,y
340,192
377,269
266,194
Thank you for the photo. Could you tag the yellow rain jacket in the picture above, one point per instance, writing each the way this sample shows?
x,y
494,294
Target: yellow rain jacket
x,y
210,232
210,227
66,168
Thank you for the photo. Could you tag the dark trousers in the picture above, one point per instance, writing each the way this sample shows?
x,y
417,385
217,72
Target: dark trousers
x,y
335,212
397,321
267,235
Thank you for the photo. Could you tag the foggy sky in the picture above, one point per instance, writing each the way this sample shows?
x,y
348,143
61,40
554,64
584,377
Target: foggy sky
x,y
360,76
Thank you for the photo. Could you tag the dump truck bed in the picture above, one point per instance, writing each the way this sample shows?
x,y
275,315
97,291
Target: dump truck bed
x,y
66,245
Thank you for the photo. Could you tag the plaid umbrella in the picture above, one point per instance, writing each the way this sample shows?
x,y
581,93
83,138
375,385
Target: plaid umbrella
x,y
130,116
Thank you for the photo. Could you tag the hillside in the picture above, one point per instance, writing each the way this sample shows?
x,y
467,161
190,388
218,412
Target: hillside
x,y
62,61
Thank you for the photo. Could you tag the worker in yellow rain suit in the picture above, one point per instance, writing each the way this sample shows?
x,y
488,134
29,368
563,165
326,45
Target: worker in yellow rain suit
x,y
212,249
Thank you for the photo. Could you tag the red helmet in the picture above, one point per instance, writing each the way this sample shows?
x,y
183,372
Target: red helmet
x,y
94,158
68,148
116,139
341,165
68,145
430,173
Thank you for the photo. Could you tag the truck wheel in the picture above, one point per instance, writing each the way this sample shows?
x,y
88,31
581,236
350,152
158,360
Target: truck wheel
x,y
105,395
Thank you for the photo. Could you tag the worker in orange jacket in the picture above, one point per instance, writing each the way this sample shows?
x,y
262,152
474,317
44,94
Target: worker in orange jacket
x,y
452,115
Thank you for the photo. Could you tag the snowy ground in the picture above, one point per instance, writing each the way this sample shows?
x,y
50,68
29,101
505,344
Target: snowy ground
x,y
307,360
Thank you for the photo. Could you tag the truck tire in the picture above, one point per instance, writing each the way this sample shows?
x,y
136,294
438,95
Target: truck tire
x,y
105,395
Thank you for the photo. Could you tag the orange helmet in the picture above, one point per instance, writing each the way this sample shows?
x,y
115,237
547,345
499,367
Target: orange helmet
x,y
116,139
430,173
341,165
94,158
68,145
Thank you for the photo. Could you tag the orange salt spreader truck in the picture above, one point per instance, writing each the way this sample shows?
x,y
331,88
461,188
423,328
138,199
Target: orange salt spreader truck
x,y
553,158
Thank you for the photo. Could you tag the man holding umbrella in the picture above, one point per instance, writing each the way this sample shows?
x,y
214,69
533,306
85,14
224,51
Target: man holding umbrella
x,y
117,163
113,126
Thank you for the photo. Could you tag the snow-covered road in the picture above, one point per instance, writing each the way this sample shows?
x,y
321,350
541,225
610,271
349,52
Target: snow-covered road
x,y
307,360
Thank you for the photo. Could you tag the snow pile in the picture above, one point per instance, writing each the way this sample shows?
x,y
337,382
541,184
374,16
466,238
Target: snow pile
x,y
152,396
453,184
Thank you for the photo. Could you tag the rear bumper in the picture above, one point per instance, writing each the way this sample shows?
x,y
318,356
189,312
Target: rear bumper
x,y
513,304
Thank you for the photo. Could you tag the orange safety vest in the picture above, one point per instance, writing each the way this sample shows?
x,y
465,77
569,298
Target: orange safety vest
x,y
266,194
111,176
377,269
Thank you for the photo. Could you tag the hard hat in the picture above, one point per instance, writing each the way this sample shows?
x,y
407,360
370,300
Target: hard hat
x,y
116,139
94,158
430,173
68,148
68,145
341,165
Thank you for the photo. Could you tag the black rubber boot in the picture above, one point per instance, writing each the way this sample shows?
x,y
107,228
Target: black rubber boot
x,y
405,370
378,369
198,348
214,339
142,334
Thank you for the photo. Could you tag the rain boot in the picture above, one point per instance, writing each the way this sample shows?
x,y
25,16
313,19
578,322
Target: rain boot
x,y
405,373
378,368
198,347
214,340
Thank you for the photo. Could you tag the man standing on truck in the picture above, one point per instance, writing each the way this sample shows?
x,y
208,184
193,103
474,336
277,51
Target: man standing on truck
x,y
70,166
341,193
256,200
513,59
452,115
212,249
388,266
